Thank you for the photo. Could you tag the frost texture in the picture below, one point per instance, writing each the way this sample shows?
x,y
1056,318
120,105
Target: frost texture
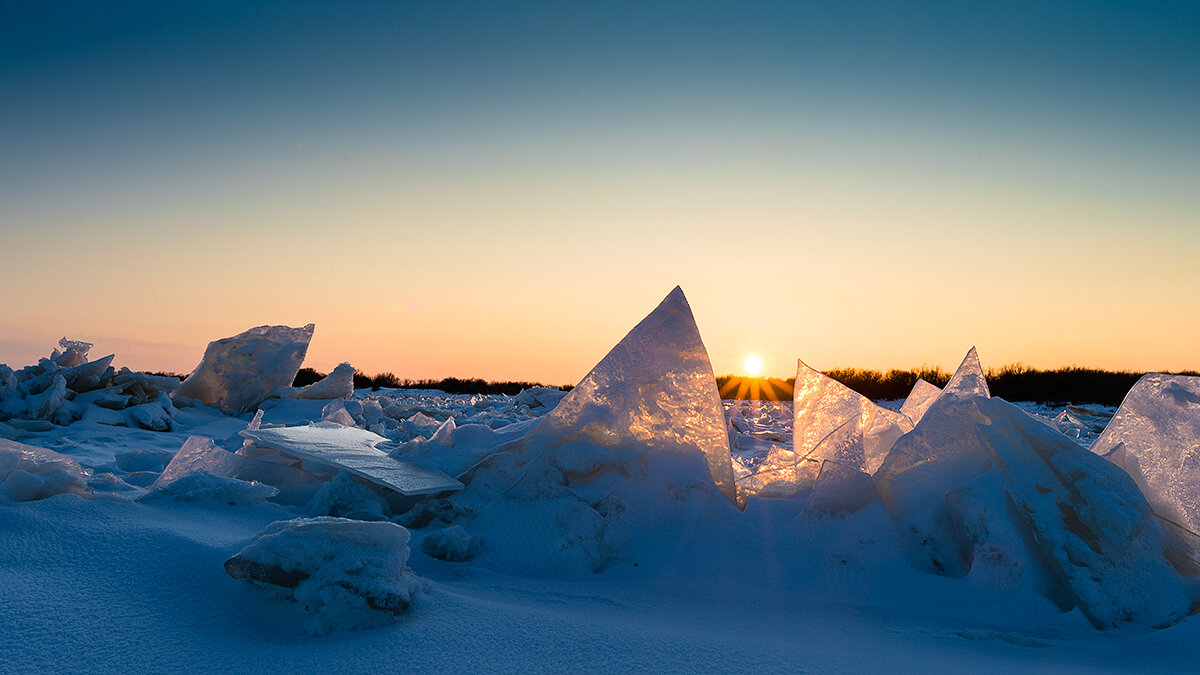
x,y
338,384
352,449
350,573
203,486
834,423
980,475
655,390
922,396
1155,437
452,544
238,372
28,473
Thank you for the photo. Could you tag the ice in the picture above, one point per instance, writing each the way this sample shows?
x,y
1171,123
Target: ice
x,y
352,449
1155,437
654,391
453,544
349,573
1083,422
44,405
544,398
968,380
204,486
29,473
839,489
238,372
338,384
70,353
922,396
345,497
833,422
1085,526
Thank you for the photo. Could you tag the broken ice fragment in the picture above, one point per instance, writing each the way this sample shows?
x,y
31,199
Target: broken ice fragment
x,y
353,450
840,489
922,396
968,380
1155,437
338,384
28,473
654,390
238,372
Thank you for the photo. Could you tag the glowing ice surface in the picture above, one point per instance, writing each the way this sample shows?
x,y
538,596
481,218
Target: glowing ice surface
x,y
655,389
237,372
968,380
353,450
338,384
1155,437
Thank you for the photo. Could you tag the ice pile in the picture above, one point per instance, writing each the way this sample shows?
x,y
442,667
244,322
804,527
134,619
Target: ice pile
x,y
349,573
237,373
67,387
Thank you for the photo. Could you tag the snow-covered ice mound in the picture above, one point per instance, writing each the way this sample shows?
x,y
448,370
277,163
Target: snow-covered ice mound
x,y
237,373
1155,437
981,483
350,573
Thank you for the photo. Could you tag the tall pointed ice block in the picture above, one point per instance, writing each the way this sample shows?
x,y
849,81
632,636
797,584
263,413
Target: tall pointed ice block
x,y
237,372
1155,437
655,389
835,423
922,396
968,380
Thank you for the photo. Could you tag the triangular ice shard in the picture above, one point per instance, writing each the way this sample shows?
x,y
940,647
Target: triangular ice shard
x,y
968,380
656,390
237,372
1155,437
353,450
922,396
832,422
338,384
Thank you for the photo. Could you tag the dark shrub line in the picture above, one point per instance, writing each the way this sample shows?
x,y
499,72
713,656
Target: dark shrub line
x,y
450,385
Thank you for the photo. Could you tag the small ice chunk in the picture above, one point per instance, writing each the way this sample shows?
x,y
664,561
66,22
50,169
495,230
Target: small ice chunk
x,y
540,398
352,449
203,486
70,353
338,384
922,396
28,473
43,406
840,489
346,497
350,573
1155,437
336,413
238,372
199,454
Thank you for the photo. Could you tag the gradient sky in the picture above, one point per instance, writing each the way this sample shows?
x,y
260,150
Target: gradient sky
x,y
503,190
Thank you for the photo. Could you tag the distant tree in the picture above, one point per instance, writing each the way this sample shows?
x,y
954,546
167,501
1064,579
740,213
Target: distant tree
x,y
306,376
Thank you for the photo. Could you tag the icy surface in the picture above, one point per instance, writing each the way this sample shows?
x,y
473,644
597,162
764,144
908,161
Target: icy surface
x,y
238,372
1155,437
28,473
347,572
353,450
968,380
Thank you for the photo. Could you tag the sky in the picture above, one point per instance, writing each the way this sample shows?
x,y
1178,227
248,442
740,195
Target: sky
x,y
503,190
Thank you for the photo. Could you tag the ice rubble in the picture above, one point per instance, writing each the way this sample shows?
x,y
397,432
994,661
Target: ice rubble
x,y
338,384
28,473
237,373
349,573
67,387
1155,437
980,479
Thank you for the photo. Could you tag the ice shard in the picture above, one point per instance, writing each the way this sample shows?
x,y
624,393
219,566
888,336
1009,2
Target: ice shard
x,y
1155,437
968,380
840,489
338,384
28,473
654,390
237,372
922,396
353,450
834,423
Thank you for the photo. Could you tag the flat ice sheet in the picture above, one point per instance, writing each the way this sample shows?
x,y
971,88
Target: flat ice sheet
x,y
354,450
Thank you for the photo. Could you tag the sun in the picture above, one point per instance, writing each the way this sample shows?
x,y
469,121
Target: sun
x,y
752,365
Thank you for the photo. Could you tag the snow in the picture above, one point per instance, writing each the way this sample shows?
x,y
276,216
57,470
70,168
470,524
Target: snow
x,y
238,372
989,540
1155,437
